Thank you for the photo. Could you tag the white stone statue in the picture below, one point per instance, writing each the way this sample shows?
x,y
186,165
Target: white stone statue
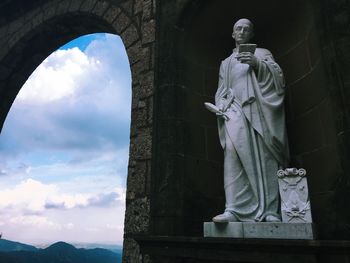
x,y
251,122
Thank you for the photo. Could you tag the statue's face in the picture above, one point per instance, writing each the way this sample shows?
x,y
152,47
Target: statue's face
x,y
242,32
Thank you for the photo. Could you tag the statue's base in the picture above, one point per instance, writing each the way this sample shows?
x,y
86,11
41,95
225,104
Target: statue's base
x,y
260,230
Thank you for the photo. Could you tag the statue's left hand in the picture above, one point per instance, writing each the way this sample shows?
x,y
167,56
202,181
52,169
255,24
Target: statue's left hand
x,y
248,58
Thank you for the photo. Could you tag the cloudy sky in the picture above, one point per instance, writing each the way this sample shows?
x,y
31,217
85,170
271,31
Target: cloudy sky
x,y
64,147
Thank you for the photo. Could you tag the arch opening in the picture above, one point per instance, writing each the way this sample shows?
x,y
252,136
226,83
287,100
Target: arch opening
x,y
65,147
81,63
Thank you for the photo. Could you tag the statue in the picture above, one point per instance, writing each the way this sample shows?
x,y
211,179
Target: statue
x,y
251,123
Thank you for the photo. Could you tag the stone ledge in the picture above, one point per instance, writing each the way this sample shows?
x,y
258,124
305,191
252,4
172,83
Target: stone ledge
x,y
251,250
260,230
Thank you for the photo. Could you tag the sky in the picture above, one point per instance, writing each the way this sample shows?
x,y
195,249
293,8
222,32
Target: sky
x,y
64,147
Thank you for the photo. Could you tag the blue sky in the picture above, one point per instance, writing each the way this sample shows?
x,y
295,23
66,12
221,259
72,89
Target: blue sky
x,y
64,147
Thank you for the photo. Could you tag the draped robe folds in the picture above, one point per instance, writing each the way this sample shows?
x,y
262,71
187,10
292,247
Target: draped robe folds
x,y
254,138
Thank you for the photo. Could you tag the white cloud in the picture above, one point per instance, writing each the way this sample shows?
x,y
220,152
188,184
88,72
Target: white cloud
x,y
69,226
34,196
35,221
74,100
33,210
58,76
29,194
115,227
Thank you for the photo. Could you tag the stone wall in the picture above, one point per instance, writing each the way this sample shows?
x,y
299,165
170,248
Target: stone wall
x,y
311,112
335,50
34,29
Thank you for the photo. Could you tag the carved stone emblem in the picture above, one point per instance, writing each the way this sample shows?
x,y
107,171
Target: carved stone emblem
x,y
295,203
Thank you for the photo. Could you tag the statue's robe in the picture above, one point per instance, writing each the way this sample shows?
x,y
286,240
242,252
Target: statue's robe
x,y
254,138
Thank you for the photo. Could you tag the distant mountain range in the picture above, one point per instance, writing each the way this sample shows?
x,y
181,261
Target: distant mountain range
x,y
7,246
114,248
60,252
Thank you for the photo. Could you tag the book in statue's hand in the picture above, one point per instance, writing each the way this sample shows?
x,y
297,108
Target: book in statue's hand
x,y
247,48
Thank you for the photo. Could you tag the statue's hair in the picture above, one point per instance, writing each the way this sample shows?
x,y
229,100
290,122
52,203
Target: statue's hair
x,y
245,20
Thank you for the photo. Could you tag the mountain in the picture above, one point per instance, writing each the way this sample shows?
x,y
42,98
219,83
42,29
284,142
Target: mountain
x,y
112,247
117,249
61,252
60,247
7,245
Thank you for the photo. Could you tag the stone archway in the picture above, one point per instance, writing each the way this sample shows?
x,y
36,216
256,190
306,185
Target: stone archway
x,y
29,34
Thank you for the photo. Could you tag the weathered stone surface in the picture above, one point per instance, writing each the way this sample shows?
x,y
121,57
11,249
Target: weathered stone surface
x,y
127,7
130,35
88,5
140,61
152,56
141,145
140,114
137,68
223,230
135,99
30,16
148,32
37,20
148,7
136,180
16,26
137,216
63,7
138,6
75,5
259,230
100,7
121,23
146,89
19,34
131,252
111,14
150,110
50,11
134,52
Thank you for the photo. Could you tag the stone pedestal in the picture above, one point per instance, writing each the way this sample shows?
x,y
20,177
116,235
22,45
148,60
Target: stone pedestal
x,y
295,209
259,230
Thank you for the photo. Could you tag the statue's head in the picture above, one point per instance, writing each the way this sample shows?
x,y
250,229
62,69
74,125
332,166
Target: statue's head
x,y
243,31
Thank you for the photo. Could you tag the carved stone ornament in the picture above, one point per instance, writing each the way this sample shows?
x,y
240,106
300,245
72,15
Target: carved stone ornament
x,y
295,203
